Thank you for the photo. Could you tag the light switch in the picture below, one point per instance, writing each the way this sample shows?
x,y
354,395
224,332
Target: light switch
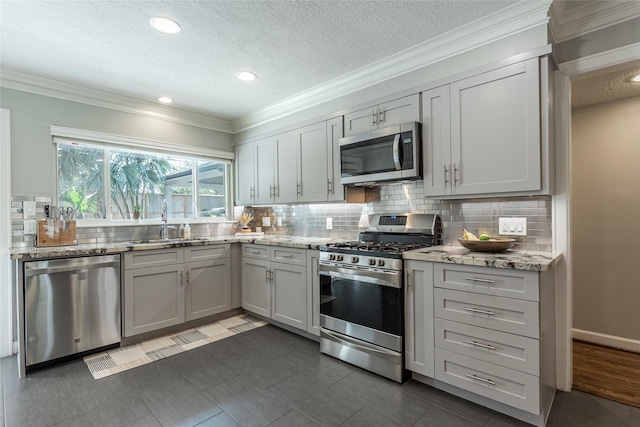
x,y
266,221
279,221
329,223
512,226
28,209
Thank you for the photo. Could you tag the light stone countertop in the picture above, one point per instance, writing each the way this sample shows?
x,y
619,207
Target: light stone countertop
x,y
509,259
120,247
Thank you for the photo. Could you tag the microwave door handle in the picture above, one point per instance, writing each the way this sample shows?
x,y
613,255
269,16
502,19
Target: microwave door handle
x,y
396,151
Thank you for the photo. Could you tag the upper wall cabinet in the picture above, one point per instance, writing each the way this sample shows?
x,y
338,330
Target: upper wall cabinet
x,y
292,167
390,113
482,134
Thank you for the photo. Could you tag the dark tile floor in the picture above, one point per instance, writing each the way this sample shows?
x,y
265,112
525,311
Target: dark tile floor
x,y
266,376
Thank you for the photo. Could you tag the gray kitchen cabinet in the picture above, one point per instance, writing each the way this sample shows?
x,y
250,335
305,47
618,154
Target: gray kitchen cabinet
x,y
301,165
397,111
166,287
153,298
482,134
256,286
276,287
208,288
245,172
494,337
335,131
419,341
313,292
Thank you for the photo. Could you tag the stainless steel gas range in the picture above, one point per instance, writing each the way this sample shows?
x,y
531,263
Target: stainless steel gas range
x,y
362,292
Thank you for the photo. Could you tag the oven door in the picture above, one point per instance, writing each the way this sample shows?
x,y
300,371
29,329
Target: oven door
x,y
363,304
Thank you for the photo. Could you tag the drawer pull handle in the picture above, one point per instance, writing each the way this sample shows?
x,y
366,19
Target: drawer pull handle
x,y
476,310
477,279
253,251
484,380
286,256
479,344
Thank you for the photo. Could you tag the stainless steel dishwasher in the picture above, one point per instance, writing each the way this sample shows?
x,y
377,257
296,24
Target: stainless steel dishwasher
x,y
72,306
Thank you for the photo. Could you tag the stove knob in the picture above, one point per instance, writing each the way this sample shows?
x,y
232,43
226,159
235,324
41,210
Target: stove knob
x,y
380,262
354,259
339,258
332,257
372,261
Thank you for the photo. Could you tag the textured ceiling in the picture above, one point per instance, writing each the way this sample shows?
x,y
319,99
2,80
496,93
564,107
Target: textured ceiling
x,y
608,87
291,45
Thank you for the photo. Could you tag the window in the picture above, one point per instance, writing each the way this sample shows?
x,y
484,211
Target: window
x,y
110,182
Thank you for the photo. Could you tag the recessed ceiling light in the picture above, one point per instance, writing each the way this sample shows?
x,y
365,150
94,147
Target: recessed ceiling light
x,y
165,100
636,79
247,76
165,25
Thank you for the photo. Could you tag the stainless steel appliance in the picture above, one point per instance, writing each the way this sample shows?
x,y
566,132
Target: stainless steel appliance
x,y
382,155
362,292
72,306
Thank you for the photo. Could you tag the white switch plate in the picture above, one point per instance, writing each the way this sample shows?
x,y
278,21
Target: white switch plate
x,y
329,223
30,226
28,209
266,221
279,221
512,226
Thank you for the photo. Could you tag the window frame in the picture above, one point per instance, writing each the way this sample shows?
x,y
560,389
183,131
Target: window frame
x,y
107,142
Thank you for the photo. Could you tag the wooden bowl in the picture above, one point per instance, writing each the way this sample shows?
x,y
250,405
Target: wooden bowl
x,y
497,244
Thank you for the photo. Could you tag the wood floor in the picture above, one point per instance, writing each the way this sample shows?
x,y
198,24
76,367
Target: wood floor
x,y
607,372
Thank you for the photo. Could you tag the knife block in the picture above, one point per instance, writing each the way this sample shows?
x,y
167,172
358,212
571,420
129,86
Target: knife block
x,y
54,232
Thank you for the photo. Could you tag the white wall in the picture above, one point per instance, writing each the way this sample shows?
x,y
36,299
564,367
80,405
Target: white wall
x,y
5,236
605,218
32,155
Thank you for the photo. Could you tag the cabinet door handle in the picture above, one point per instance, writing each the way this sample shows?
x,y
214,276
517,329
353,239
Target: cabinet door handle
x,y
373,115
382,115
408,282
251,193
267,275
477,310
445,175
477,279
182,278
188,277
484,380
329,189
479,344
299,187
455,174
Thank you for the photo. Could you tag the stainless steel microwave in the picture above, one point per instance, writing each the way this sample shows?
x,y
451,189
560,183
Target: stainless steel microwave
x,y
382,155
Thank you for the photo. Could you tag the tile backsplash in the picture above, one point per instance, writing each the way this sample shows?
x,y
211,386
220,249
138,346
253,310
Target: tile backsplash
x,y
476,215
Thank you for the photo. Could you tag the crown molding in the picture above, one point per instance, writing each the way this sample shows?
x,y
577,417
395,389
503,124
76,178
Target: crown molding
x,y
568,24
512,20
56,89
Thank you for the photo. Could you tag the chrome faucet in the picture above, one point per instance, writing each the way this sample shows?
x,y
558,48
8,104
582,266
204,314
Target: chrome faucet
x,y
165,229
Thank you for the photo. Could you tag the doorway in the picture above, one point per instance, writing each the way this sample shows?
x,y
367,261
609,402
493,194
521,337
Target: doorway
x,y
6,318
605,224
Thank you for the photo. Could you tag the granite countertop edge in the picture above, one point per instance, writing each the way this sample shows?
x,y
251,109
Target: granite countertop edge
x,y
121,247
509,259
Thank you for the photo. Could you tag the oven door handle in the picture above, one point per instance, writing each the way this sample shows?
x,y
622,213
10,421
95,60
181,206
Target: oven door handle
x,y
389,279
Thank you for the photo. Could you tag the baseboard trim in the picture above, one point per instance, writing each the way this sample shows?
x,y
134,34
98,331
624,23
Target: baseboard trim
x,y
607,340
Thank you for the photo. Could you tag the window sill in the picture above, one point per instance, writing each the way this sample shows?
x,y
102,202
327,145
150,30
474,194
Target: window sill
x,y
89,223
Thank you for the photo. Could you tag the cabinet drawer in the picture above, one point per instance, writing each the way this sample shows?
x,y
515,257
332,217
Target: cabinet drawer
x,y
488,311
484,280
156,257
504,385
289,255
255,251
203,253
508,350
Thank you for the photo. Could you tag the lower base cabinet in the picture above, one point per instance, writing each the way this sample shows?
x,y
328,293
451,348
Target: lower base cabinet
x,y
274,283
167,287
484,334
